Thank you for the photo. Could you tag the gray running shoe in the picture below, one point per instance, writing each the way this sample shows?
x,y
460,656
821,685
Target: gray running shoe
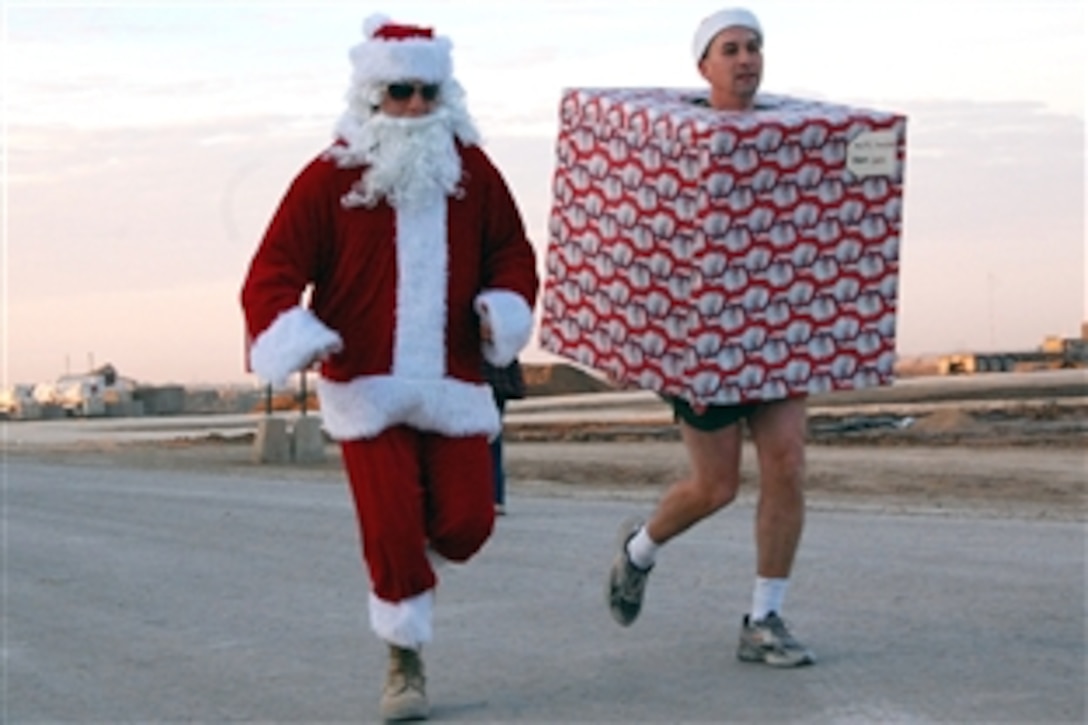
x,y
626,582
768,641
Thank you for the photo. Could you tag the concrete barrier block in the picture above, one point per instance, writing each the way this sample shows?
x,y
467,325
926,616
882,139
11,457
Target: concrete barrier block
x,y
27,410
162,399
272,445
125,409
308,440
52,411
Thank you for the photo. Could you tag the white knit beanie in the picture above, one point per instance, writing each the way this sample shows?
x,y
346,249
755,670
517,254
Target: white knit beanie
x,y
719,21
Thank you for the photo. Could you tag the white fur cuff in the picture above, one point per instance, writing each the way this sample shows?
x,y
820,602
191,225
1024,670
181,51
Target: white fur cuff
x,y
294,340
406,623
511,322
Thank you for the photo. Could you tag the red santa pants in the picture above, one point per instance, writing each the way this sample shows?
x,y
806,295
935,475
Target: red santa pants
x,y
413,489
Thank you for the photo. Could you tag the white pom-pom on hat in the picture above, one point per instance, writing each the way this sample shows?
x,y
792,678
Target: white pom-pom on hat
x,y
372,23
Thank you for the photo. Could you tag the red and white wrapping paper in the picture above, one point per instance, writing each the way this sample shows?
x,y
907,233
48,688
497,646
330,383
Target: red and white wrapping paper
x,y
725,257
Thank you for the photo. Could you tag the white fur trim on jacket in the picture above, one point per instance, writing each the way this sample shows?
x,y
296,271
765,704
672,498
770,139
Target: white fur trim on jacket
x,y
511,322
406,623
365,406
295,339
419,345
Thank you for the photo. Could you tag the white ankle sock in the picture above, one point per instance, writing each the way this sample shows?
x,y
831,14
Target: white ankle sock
x,y
642,550
767,597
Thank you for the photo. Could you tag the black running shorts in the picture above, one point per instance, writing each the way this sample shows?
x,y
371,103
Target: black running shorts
x,y
715,417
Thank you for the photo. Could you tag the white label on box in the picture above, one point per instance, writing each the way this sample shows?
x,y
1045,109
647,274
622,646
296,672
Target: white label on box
x,y
872,154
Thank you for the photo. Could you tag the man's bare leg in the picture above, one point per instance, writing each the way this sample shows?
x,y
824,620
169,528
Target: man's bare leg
x,y
715,476
714,458
778,431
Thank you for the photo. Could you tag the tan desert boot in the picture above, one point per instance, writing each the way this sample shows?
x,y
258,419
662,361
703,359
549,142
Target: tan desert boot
x,y
404,696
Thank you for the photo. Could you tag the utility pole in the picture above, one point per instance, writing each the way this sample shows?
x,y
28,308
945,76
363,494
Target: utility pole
x,y
990,283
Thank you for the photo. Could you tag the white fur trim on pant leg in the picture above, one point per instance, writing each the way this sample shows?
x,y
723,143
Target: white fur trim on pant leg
x,y
294,340
406,623
511,320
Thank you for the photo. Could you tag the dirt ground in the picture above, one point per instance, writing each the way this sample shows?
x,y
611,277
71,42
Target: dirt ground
x,y
1002,457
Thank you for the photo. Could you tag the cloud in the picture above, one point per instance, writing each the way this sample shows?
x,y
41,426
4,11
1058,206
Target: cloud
x,y
94,210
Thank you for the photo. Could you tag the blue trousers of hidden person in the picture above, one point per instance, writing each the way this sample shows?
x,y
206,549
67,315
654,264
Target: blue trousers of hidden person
x,y
496,460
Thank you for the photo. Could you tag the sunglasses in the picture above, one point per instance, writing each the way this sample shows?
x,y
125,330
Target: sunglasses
x,y
404,91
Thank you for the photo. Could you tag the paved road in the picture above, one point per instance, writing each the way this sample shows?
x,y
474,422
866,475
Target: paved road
x,y
172,596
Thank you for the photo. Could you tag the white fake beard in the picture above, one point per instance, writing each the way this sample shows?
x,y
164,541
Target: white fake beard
x,y
410,161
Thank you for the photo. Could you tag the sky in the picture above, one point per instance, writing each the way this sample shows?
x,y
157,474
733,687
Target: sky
x,y
146,145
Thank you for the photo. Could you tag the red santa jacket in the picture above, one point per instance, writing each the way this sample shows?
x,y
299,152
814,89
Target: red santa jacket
x,y
397,299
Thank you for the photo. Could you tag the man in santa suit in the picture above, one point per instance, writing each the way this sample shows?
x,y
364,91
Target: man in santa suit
x,y
419,270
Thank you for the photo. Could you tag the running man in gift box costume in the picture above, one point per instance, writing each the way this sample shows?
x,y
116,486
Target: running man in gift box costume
x,y
420,270
728,49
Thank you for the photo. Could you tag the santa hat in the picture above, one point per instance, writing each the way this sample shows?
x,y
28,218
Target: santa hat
x,y
393,52
719,21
